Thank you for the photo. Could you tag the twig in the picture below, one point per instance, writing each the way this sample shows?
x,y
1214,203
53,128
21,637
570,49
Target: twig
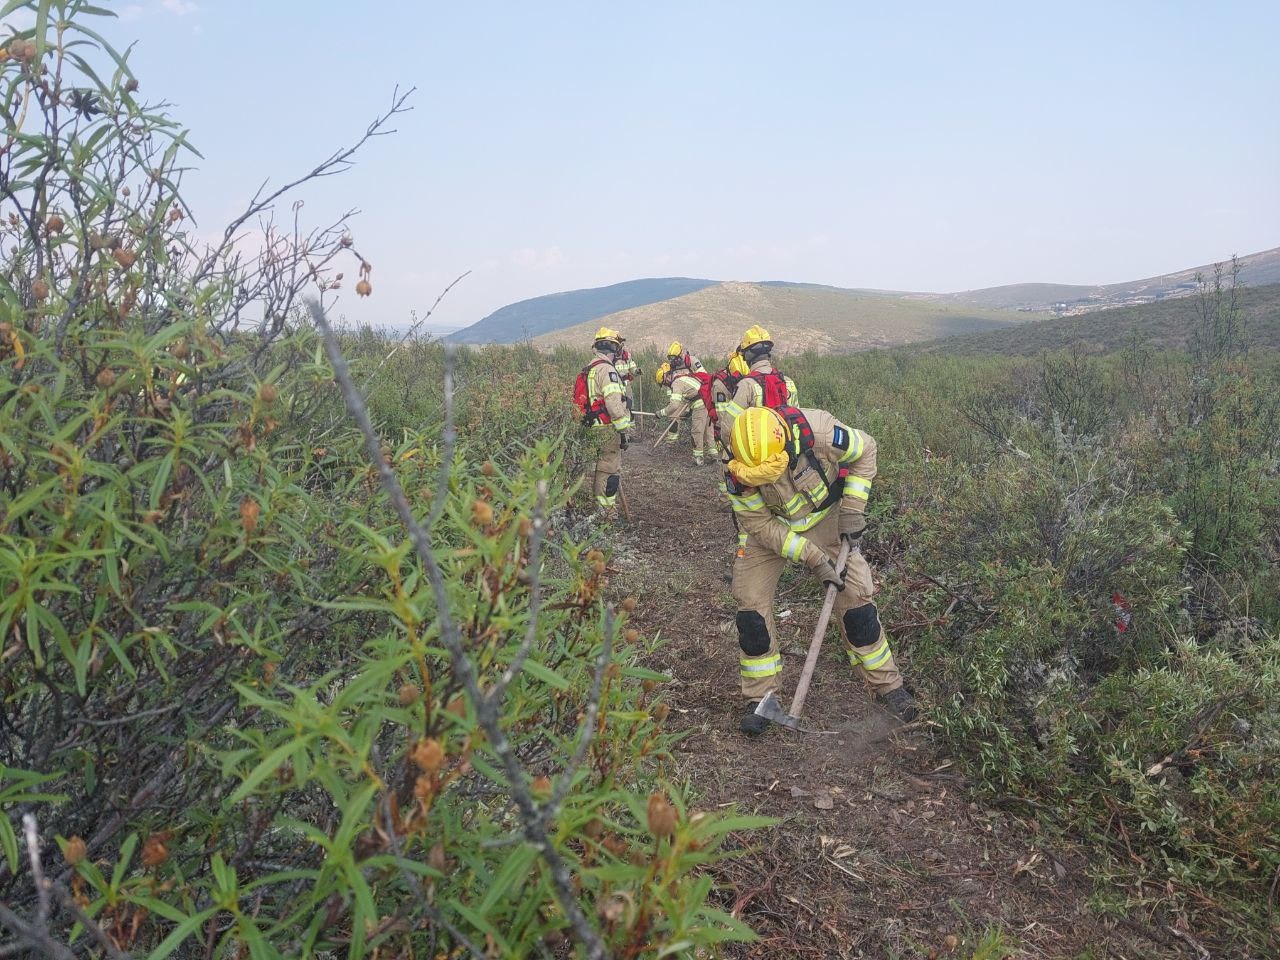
x,y
416,886
534,566
99,935
486,714
1192,942
413,329
588,725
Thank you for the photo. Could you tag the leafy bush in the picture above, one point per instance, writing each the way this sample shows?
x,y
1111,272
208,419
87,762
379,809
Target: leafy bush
x,y
256,719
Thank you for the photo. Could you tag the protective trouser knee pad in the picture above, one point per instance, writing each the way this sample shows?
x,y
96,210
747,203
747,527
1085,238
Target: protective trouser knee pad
x,y
862,624
753,633
611,485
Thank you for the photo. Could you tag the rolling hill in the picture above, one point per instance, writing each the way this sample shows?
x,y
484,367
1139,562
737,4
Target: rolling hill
x,y
529,318
1256,269
1165,324
709,314
800,317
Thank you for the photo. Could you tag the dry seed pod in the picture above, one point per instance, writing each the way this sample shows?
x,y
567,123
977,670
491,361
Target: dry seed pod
x,y
629,604
436,859
154,852
541,787
428,755
54,224
364,288
488,469
662,816
249,511
408,693
180,349
125,258
105,379
268,394
74,851
660,712
632,635
130,85
39,290
481,513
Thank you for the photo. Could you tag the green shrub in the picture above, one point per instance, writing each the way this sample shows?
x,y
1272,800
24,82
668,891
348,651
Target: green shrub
x,y
227,689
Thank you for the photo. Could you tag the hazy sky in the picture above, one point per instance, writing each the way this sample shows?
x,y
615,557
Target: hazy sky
x,y
552,146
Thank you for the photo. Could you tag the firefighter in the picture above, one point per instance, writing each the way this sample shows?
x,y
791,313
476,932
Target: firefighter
x,y
609,416
678,357
687,395
663,376
799,482
724,383
762,385
627,369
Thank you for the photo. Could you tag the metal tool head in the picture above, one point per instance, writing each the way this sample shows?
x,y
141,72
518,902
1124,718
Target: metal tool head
x,y
771,710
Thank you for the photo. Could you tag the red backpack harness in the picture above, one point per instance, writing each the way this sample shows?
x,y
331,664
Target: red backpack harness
x,y
773,387
592,411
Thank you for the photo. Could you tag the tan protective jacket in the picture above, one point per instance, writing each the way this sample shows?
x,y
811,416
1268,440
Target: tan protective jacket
x,y
605,382
684,394
778,514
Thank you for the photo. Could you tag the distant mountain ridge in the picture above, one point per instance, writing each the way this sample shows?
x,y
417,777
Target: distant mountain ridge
x,y
529,318
844,319
1166,324
1256,270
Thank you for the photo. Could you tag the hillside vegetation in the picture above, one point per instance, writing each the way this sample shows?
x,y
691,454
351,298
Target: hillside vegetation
x,y
529,318
823,319
1256,269
1169,324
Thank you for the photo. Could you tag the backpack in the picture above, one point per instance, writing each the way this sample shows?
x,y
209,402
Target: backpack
x,y
591,411
773,387
704,393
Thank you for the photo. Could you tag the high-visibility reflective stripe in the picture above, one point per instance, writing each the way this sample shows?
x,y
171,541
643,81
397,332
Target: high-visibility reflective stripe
x,y
742,539
809,522
877,656
724,487
766,666
733,408
606,501
743,504
622,423
856,445
858,487
610,389
793,546
795,503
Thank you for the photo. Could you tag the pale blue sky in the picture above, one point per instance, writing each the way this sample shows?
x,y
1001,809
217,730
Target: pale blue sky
x,y
925,146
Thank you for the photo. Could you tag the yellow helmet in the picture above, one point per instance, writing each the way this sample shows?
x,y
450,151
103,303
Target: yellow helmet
x,y
661,372
675,350
754,335
758,436
609,335
738,366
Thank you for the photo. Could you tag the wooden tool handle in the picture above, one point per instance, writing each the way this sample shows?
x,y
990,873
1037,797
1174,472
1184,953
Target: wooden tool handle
x,y
815,645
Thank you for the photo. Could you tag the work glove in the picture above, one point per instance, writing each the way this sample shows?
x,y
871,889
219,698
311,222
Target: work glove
x,y
828,574
851,526
622,438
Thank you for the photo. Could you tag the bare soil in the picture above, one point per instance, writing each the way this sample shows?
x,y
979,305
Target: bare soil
x,y
882,850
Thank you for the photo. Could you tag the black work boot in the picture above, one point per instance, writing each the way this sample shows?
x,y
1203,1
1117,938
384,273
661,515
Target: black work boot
x,y
753,725
901,704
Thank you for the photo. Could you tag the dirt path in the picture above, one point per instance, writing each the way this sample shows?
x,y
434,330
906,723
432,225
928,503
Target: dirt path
x,y
881,851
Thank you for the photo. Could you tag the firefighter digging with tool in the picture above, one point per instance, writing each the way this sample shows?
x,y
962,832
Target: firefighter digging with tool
x,y
798,483
679,360
691,392
601,398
